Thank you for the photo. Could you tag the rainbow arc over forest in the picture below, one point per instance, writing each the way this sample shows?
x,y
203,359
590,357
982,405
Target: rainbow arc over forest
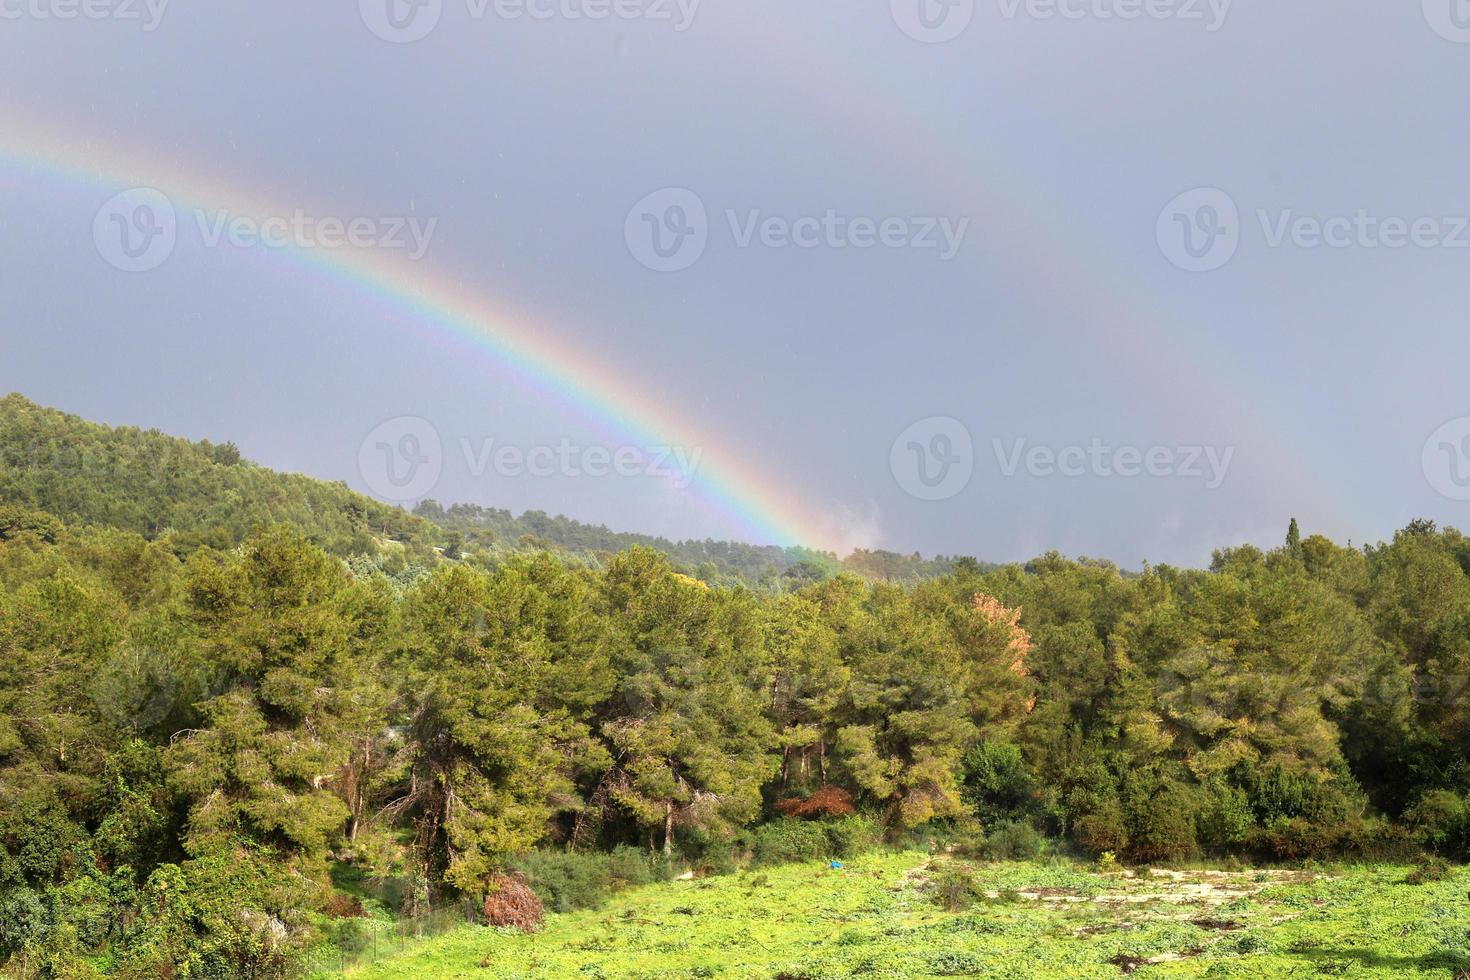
x,y
1098,297
739,492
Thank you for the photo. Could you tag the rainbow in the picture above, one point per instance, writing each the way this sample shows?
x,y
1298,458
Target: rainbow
x,y
913,140
740,493
1099,294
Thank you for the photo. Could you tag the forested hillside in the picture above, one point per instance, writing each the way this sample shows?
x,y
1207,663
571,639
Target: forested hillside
x,y
151,484
154,485
199,745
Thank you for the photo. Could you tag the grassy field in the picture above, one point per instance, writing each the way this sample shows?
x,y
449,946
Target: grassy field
x,y
878,917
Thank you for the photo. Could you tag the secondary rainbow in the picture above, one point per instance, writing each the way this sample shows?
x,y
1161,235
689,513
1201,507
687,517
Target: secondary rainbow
x,y
1088,288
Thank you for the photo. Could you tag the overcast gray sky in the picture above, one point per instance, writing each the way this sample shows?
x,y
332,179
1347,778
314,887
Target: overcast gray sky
x,y
1124,278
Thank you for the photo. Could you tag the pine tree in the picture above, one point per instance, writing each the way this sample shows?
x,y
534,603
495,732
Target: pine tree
x,y
495,738
691,746
270,620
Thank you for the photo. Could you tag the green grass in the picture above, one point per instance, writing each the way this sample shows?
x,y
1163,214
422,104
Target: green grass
x,y
875,918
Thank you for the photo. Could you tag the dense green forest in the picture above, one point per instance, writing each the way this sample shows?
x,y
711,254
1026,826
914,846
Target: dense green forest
x,y
222,689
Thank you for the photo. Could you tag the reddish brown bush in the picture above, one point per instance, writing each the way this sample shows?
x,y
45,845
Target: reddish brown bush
x,y
829,801
341,906
512,904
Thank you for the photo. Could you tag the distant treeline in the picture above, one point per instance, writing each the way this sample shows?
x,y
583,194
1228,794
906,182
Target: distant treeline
x,y
714,562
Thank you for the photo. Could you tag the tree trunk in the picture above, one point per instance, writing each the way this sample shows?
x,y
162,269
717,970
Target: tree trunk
x,y
668,829
359,793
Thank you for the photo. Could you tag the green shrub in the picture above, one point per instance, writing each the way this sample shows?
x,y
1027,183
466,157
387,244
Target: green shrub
x,y
349,936
1161,824
566,880
1226,818
996,783
1431,868
1441,819
1101,828
1324,799
1381,840
718,856
1012,840
853,835
233,913
951,963
630,867
1246,943
955,888
790,840
1297,838
23,919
